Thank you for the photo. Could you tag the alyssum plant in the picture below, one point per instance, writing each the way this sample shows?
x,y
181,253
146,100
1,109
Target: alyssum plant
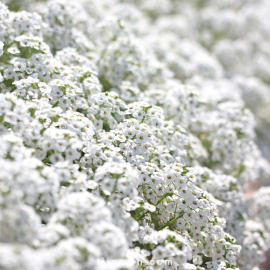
x,y
122,140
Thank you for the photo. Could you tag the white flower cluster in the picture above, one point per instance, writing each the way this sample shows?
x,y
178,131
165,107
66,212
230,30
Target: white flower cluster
x,y
245,220
123,139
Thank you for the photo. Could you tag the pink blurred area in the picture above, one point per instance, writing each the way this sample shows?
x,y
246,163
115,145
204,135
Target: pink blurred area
x,y
266,264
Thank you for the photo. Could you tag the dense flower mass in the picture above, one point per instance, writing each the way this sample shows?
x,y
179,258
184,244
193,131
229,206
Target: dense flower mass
x,y
129,133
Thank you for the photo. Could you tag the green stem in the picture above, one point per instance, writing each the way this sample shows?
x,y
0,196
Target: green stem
x,y
163,197
171,221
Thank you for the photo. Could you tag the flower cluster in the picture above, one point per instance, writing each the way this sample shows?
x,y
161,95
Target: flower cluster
x,y
123,139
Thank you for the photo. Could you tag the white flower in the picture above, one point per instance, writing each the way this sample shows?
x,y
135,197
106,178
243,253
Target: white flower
x,y
160,252
1,48
141,137
107,185
13,50
44,88
149,207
